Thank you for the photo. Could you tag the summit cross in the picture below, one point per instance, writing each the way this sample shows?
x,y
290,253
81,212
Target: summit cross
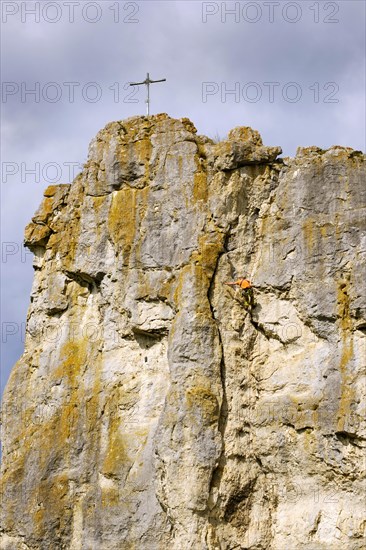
x,y
147,81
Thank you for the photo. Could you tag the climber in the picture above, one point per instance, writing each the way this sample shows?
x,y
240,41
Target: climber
x,y
247,288
242,283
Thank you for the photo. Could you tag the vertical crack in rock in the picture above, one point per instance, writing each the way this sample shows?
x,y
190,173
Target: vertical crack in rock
x,y
150,409
222,420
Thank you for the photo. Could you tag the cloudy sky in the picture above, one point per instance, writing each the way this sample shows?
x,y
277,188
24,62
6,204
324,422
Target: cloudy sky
x,y
295,71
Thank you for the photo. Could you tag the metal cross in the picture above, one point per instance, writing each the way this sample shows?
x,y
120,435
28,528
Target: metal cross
x,y
147,81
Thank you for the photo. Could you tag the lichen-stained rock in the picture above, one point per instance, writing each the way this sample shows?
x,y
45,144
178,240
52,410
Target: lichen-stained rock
x,y
151,409
243,147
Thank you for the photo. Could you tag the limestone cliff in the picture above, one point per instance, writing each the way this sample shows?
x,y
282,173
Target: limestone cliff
x,y
151,410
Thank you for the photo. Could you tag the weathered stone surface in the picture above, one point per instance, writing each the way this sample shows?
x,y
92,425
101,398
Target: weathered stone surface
x,y
243,147
150,409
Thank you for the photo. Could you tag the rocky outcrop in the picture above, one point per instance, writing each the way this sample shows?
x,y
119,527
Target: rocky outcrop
x,y
151,409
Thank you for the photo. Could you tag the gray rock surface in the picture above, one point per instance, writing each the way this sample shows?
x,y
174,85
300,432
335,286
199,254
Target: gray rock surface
x,y
151,409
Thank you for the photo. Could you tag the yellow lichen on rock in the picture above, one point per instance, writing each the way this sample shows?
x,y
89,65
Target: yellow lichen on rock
x,y
122,220
202,399
149,409
347,396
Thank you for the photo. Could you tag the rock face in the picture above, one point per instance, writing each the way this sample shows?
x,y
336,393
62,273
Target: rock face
x,y
151,409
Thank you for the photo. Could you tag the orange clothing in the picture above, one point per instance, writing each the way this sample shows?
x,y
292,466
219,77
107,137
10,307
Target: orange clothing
x,y
242,283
